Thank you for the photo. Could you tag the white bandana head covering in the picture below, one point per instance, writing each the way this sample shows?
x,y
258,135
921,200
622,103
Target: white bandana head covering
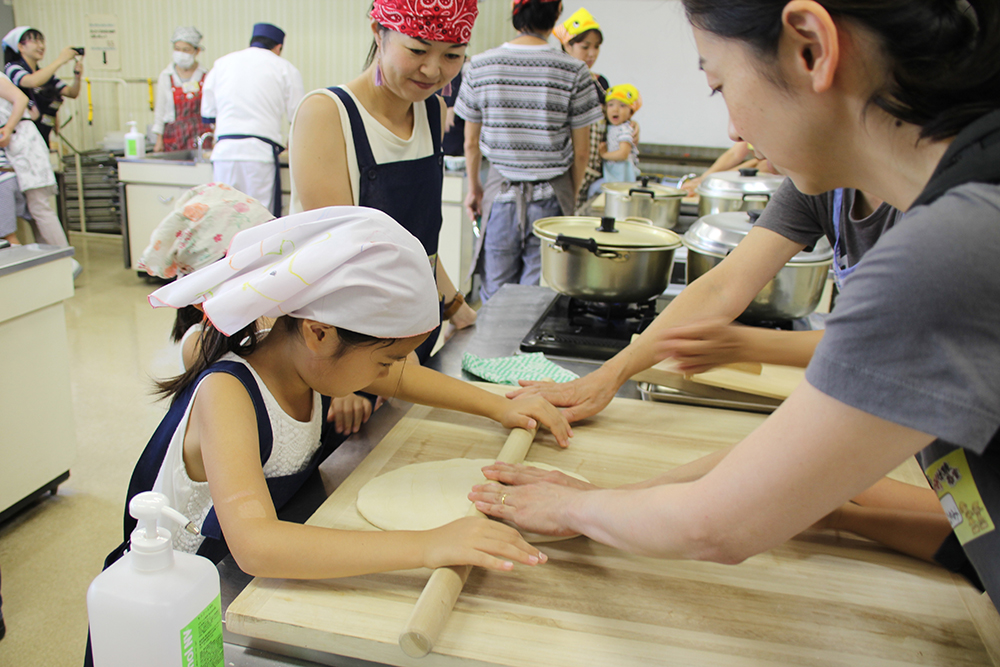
x,y
187,33
13,38
199,229
346,266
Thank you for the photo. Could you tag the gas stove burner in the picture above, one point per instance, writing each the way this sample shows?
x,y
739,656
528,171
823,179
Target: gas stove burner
x,y
596,312
587,329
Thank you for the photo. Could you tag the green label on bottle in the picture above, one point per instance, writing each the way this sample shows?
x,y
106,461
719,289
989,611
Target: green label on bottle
x,y
201,639
130,148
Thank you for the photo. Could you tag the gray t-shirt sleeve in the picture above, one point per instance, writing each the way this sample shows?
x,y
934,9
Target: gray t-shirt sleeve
x,y
796,216
915,336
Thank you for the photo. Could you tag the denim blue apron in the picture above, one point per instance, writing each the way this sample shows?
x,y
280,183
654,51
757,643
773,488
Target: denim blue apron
x,y
840,274
408,190
148,467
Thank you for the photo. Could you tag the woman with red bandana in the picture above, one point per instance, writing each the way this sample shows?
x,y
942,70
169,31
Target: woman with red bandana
x,y
376,141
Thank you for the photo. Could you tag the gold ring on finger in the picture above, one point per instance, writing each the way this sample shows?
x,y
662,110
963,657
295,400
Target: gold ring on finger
x,y
503,498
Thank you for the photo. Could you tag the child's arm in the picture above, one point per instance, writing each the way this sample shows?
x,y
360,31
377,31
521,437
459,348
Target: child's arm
x,y
417,384
221,443
12,94
621,153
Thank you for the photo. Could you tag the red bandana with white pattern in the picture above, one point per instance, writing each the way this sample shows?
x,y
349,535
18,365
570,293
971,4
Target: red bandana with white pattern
x,y
433,20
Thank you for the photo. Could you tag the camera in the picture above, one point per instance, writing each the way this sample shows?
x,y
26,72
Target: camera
x,y
78,49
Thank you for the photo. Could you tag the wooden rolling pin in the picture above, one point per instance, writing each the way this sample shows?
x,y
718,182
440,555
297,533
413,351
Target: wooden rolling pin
x,y
443,588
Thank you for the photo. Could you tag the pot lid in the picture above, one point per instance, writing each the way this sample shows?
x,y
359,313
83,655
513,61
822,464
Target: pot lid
x,y
737,184
636,233
655,190
719,233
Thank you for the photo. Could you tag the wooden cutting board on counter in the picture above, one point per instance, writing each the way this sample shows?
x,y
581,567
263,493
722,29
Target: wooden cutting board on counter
x,y
772,381
819,599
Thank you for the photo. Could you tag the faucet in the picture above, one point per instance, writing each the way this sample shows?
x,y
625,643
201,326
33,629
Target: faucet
x,y
200,141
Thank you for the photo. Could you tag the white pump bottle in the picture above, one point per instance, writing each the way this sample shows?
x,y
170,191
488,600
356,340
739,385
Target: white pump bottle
x,y
154,606
135,142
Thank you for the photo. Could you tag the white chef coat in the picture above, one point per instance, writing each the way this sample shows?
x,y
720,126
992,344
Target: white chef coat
x,y
169,78
248,92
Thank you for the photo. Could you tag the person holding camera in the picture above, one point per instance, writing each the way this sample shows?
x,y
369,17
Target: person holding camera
x,y
24,48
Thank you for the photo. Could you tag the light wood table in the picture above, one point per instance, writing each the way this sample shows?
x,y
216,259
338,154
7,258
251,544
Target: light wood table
x,y
820,599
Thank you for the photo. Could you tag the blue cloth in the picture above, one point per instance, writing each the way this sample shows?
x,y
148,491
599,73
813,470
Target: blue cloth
x,y
408,190
622,171
272,32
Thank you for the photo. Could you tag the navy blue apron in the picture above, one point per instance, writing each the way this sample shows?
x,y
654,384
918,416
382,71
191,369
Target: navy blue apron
x,y
276,150
147,468
408,190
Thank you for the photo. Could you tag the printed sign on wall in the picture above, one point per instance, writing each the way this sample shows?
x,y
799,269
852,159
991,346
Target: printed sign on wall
x,y
102,42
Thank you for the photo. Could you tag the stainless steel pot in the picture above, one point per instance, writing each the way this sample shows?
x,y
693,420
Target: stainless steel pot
x,y
660,204
743,190
793,293
603,259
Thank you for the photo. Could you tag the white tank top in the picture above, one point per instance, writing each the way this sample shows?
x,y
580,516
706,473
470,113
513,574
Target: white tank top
x,y
386,146
294,443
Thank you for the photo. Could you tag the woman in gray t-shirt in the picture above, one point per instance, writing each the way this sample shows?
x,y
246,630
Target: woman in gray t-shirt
x,y
910,361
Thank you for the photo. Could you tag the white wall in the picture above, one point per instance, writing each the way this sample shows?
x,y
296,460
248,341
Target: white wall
x,y
649,44
646,42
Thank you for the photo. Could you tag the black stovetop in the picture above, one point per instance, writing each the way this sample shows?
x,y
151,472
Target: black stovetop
x,y
571,327
574,328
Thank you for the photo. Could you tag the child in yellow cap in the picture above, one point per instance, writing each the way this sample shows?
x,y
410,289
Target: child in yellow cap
x,y
620,153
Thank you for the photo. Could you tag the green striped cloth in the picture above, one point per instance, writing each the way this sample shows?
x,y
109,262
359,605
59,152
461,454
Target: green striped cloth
x,y
508,370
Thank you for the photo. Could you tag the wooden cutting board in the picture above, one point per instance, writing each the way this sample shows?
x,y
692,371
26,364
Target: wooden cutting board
x,y
820,599
773,381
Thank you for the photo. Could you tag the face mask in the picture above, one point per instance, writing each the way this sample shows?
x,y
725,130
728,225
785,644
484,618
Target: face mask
x,y
183,60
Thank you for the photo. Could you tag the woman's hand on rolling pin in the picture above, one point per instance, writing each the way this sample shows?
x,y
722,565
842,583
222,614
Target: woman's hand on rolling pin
x,y
529,411
580,398
519,475
480,542
533,507
703,345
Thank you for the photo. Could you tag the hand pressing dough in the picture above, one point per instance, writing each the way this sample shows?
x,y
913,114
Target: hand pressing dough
x,y
424,496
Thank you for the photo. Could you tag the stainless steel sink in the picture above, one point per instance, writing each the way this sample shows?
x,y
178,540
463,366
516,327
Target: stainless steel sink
x,y
190,155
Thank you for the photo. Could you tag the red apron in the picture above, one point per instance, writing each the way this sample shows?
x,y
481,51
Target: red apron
x,y
187,126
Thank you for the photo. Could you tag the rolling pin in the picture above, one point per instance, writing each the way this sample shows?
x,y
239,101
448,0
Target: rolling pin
x,y
443,588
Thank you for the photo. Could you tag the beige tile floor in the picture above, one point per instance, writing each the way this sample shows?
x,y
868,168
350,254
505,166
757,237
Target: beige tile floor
x,y
50,552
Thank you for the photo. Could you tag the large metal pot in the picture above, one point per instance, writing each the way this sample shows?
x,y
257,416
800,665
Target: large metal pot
x,y
743,190
793,293
603,259
660,204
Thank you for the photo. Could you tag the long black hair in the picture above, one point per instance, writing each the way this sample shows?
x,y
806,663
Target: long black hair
x,y
13,55
535,15
215,344
943,55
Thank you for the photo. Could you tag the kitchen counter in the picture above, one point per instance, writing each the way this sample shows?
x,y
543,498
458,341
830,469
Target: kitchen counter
x,y
36,404
818,599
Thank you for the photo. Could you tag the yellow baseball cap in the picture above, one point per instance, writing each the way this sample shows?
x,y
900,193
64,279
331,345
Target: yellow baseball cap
x,y
626,93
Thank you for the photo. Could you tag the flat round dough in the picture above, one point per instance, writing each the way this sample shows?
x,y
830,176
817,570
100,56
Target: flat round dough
x,y
424,496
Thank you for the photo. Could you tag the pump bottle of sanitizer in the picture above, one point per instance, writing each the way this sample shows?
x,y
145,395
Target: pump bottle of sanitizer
x,y
155,607
135,142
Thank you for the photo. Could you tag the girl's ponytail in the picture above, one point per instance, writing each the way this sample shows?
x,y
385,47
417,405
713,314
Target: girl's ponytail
x,y
214,345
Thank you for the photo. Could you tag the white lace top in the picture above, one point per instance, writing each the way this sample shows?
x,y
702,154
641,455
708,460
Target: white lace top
x,y
294,443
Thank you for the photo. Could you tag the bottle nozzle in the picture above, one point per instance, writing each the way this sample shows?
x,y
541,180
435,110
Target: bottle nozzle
x,y
149,506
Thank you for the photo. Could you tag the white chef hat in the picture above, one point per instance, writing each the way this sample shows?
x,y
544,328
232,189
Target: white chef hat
x,y
346,266
187,33
13,38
